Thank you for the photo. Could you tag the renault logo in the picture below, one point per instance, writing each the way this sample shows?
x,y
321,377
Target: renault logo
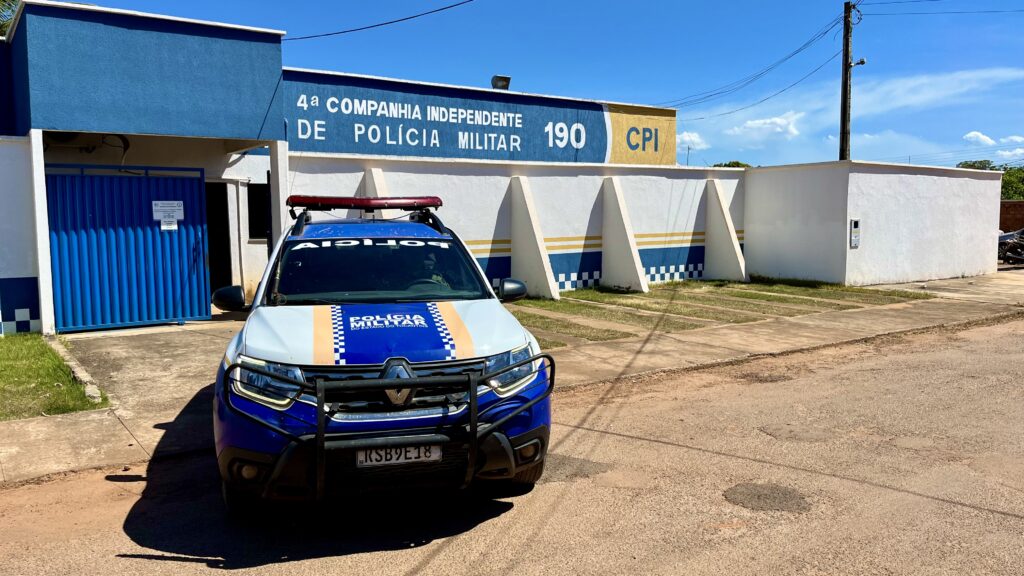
x,y
398,369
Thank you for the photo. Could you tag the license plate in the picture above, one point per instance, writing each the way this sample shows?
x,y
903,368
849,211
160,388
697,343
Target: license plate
x,y
399,455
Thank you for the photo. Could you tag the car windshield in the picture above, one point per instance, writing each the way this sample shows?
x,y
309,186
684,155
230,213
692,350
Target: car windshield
x,y
377,270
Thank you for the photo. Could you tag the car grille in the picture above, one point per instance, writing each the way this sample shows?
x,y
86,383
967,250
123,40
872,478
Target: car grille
x,y
375,402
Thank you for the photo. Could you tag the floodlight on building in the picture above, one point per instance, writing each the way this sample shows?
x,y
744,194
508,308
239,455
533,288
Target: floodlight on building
x,y
499,82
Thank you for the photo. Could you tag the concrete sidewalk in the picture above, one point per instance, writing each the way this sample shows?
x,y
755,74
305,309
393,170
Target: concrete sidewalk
x,y
1004,287
160,379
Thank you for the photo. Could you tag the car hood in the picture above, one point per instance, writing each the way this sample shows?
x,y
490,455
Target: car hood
x,y
373,333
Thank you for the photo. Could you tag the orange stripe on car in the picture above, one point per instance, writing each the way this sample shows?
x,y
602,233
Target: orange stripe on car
x,y
457,328
323,336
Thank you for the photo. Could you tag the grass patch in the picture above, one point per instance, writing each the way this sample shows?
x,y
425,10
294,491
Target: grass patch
x,y
750,293
568,328
546,344
659,305
807,288
35,381
755,293
826,290
647,322
712,298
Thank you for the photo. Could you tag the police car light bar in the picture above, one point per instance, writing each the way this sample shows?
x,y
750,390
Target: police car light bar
x,y
368,204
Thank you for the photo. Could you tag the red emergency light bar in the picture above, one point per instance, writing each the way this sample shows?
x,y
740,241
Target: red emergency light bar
x,y
368,204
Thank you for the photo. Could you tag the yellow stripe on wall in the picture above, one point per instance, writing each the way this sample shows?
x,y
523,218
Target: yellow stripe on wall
x,y
323,336
670,235
571,238
491,250
562,247
681,242
487,242
457,328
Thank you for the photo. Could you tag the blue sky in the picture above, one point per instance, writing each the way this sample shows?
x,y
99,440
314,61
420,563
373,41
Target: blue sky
x,y
937,88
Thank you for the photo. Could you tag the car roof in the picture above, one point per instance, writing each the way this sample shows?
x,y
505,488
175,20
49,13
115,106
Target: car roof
x,y
365,228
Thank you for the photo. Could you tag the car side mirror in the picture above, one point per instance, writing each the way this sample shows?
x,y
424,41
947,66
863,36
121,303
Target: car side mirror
x,y
230,299
511,290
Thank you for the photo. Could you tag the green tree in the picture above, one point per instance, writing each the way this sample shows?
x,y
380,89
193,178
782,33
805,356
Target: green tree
x,y
1013,183
1013,177
977,165
7,10
732,164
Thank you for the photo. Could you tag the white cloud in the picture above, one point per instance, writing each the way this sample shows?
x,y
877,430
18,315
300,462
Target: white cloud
x,y
1010,154
891,146
975,137
762,134
762,128
1012,140
928,90
691,139
872,97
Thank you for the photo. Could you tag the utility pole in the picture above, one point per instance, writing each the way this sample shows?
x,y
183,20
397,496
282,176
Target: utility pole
x,y
687,154
844,112
848,65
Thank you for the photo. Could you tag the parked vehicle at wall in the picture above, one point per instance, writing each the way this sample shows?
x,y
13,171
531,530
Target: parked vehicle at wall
x,y
1011,247
376,355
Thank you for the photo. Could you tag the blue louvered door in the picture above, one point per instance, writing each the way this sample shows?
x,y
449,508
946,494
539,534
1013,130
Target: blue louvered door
x,y
115,265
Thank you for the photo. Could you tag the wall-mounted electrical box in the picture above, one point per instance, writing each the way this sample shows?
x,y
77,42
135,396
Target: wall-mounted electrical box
x,y
854,234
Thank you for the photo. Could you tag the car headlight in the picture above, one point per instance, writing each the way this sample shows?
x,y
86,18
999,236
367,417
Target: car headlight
x,y
510,382
262,388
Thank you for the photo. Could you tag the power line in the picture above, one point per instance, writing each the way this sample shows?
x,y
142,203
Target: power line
x,y
896,2
380,24
951,156
767,98
732,87
941,12
962,151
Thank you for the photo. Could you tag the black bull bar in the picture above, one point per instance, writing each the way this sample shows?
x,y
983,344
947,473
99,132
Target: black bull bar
x,y
327,390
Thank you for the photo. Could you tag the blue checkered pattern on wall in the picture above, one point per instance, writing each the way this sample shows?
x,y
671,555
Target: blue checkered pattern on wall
x,y
673,263
576,269
19,305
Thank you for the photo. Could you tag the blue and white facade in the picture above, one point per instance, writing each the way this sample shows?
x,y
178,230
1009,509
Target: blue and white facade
x,y
109,116
146,161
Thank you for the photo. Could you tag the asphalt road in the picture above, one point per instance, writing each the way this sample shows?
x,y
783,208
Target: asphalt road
x,y
897,456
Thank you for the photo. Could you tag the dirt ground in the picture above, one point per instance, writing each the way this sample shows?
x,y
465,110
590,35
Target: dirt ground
x,y
900,455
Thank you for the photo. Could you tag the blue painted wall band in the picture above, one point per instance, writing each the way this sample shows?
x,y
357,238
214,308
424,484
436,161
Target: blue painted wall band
x,y
113,73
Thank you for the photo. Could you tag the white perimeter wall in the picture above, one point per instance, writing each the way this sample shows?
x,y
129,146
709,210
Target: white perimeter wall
x,y
17,232
676,202
922,223
567,198
796,221
475,203
660,199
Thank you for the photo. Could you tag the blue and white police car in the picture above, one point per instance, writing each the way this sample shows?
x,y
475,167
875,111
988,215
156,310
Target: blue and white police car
x,y
376,355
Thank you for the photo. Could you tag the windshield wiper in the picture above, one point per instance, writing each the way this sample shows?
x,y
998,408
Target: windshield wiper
x,y
285,301
432,299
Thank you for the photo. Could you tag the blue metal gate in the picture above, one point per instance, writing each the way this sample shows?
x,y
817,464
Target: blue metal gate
x,y
115,265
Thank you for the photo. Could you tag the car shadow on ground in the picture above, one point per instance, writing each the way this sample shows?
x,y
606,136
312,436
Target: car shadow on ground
x,y
181,516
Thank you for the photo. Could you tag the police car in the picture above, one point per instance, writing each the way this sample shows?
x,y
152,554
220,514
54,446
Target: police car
x,y
376,355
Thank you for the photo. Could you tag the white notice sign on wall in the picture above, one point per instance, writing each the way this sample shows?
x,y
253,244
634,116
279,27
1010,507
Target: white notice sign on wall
x,y
168,210
168,224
